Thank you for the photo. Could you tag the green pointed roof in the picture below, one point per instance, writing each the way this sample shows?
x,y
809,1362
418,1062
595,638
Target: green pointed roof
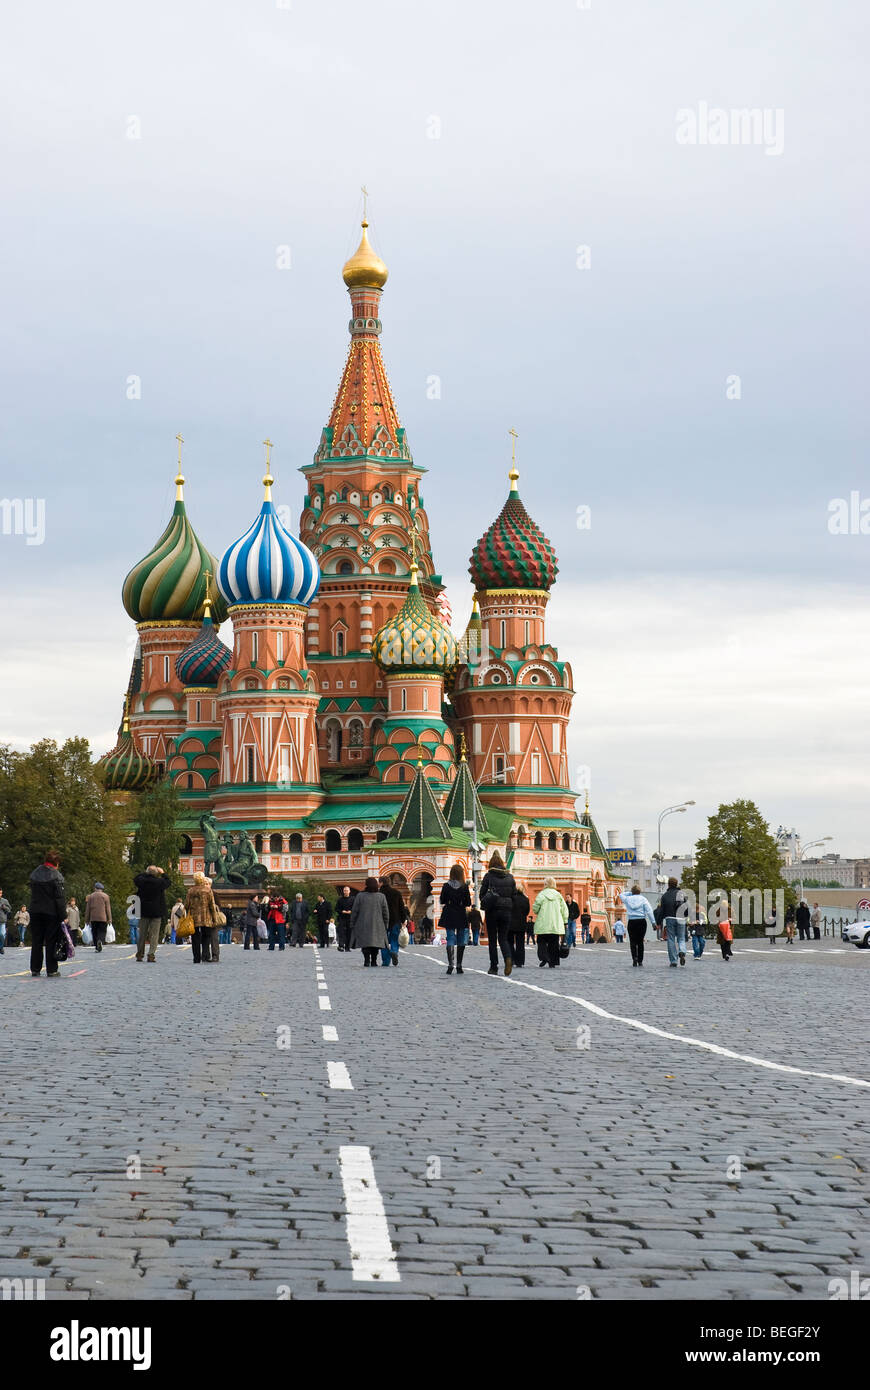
x,y
461,800
598,850
421,817
169,583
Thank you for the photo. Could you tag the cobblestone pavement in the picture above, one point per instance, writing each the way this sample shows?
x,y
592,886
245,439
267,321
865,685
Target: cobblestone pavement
x,y
515,1157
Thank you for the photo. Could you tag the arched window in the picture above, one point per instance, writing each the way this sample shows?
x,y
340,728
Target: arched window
x,y
388,492
551,840
258,844
296,844
338,642
356,730
354,841
185,844
386,567
566,841
522,836
401,772
345,568
539,840
333,842
276,844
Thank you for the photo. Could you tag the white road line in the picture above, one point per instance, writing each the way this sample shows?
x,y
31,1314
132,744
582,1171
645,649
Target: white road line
x,y
324,1003
322,986
672,1037
371,1251
339,1076
330,1034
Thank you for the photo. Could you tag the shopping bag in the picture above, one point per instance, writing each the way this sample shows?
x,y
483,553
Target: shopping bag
x,y
110,934
87,936
262,930
184,927
404,938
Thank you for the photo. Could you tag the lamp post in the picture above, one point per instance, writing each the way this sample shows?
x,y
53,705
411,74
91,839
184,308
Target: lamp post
x,y
669,811
801,854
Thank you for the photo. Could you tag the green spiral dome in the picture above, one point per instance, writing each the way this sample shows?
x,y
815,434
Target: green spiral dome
x,y
414,640
125,769
169,583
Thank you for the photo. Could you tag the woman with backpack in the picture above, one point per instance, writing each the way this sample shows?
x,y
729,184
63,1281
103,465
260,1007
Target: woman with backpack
x,y
497,893
455,903
551,917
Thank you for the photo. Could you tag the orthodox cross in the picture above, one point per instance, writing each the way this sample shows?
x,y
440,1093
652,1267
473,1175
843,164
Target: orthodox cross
x,y
180,442
514,438
269,447
365,194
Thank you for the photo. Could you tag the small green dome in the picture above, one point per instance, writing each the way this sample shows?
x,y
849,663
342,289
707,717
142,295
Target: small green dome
x,y
414,640
125,769
169,583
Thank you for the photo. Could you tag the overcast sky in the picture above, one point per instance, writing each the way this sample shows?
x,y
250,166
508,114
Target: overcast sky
x,y
716,627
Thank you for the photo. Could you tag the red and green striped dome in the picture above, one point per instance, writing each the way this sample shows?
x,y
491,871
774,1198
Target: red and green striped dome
x,y
514,553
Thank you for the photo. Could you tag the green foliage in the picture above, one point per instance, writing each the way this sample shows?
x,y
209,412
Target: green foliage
x,y
157,841
50,798
308,887
828,883
738,852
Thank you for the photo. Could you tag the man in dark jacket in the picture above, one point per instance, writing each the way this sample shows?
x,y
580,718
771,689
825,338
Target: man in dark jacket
x,y
151,886
47,911
804,920
585,924
323,913
298,920
252,917
497,893
398,914
343,909
573,915
672,914
517,934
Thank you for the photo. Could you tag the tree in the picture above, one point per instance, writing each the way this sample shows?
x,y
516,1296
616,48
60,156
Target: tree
x,y
738,853
51,798
156,839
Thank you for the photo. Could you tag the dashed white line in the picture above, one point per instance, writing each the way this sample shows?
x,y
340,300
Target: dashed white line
x,y
371,1251
324,1003
322,986
339,1077
330,1034
672,1037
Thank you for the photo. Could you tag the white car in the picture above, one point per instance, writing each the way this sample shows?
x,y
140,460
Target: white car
x,y
859,935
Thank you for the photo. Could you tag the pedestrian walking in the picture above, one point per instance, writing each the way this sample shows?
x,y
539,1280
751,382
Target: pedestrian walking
x,y
133,925
497,894
619,931
276,921
770,926
398,914
521,912
370,921
790,916
699,940
585,924
74,921
455,901
323,915
298,919
5,910
252,917
725,937
343,910
47,911
817,922
551,918
98,915
804,920
475,922
638,914
573,919
671,914
427,922
22,922
152,885
203,909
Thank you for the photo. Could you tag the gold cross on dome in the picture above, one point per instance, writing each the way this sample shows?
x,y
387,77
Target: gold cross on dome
x,y
180,442
269,447
515,437
365,194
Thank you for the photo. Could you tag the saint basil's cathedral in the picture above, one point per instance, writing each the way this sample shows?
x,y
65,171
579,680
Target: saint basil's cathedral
x,y
342,730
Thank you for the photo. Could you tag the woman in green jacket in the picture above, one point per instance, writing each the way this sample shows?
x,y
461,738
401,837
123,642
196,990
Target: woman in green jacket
x,y
551,916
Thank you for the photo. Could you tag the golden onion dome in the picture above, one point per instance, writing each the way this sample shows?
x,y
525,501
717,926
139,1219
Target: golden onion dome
x,y
414,640
365,269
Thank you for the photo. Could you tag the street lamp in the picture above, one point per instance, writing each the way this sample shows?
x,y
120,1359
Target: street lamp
x,y
669,811
801,854
472,826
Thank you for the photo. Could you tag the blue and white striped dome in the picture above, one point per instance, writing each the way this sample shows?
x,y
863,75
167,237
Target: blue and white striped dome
x,y
268,565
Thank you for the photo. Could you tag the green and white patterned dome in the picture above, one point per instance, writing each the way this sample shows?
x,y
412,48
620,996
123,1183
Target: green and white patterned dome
x,y
414,640
169,583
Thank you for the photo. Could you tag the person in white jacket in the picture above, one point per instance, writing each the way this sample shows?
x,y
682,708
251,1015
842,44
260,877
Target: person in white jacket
x,y
638,913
